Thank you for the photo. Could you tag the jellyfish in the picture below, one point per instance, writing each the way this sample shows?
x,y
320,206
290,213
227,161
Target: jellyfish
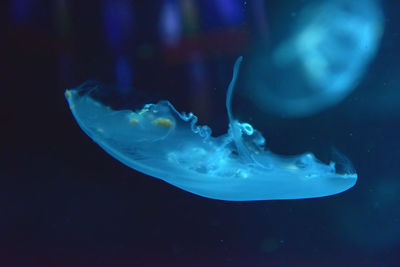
x,y
161,142
325,57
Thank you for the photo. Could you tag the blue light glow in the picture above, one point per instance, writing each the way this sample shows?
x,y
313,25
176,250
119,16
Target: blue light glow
x,y
170,22
118,22
123,73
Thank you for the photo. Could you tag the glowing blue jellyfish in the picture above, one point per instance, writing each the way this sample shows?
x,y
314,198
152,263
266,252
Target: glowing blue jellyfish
x,y
159,141
321,62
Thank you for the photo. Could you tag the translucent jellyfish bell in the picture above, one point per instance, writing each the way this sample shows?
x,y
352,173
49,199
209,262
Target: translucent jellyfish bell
x,y
161,142
320,63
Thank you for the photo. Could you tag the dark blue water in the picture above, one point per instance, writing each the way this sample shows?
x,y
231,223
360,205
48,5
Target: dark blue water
x,y
64,201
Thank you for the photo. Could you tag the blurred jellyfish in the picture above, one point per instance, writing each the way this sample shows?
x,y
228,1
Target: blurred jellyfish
x,y
321,63
159,141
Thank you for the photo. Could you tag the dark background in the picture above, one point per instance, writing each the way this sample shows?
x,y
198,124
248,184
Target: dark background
x,y
64,201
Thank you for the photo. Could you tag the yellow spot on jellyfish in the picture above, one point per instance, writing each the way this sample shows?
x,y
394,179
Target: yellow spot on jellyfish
x,y
163,122
67,94
235,166
133,121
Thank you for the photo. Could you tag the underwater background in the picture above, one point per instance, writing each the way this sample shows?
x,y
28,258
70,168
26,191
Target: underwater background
x,y
66,202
